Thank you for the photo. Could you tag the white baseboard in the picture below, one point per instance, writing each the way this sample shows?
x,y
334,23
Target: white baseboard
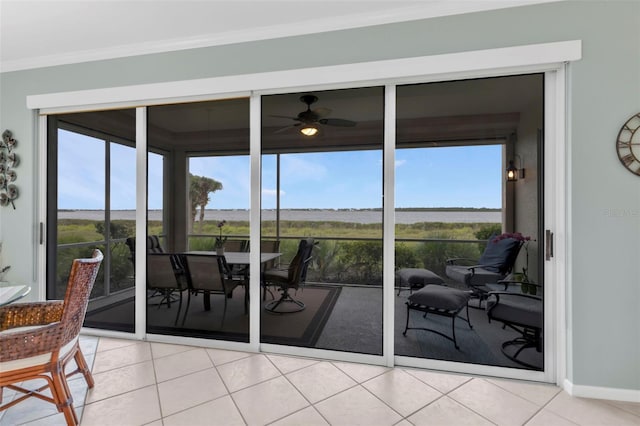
x,y
597,392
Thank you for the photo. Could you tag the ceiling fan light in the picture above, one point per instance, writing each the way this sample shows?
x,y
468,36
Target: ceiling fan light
x,y
309,130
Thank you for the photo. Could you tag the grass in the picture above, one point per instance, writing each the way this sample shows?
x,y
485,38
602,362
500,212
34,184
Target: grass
x,y
79,231
347,252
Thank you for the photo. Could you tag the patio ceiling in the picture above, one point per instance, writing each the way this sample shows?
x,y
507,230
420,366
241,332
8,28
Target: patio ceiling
x,y
461,112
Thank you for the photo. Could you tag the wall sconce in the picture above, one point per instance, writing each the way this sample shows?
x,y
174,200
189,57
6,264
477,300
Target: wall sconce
x,y
8,162
513,172
309,130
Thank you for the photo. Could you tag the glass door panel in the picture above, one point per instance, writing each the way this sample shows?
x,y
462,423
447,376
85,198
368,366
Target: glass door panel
x,y
462,229
91,204
198,197
322,214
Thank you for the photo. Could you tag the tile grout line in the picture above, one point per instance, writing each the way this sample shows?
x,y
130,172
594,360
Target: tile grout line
x,y
226,387
155,380
505,390
284,376
86,394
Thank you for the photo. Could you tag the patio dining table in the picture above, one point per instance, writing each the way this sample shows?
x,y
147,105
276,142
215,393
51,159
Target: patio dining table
x,y
11,292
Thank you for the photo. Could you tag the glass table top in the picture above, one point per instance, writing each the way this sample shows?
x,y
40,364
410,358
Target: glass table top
x,y
11,292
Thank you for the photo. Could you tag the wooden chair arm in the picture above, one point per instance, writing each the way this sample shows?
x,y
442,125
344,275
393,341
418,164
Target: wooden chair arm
x,y
30,314
31,342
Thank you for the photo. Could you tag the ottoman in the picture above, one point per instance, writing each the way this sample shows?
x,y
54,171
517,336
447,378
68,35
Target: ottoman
x,y
439,300
416,278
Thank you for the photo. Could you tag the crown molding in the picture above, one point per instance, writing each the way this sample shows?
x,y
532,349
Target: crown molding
x,y
428,10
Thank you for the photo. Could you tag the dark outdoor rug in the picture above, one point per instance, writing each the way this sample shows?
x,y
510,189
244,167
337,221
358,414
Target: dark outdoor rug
x,y
298,329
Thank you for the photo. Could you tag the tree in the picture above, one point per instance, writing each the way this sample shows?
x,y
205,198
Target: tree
x,y
199,189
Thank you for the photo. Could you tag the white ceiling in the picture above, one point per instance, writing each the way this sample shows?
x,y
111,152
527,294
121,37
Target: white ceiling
x,y
38,33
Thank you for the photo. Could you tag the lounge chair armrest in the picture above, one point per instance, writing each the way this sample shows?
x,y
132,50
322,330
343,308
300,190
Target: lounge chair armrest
x,y
497,294
516,282
29,314
511,293
461,260
472,268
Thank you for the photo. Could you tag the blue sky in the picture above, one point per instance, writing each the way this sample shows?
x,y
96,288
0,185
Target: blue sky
x,y
427,177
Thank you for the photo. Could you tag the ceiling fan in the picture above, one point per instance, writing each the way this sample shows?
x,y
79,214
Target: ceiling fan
x,y
309,119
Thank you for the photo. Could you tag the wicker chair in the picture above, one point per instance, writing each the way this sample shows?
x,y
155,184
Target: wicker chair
x,y
38,339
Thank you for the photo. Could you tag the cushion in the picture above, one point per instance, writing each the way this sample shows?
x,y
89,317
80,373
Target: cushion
x,y
34,360
440,297
417,277
500,255
515,308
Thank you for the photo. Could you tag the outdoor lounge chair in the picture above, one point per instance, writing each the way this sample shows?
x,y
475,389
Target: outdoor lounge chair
x,y
494,265
38,340
522,313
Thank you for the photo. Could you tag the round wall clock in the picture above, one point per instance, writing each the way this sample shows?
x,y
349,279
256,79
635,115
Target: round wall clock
x,y
628,144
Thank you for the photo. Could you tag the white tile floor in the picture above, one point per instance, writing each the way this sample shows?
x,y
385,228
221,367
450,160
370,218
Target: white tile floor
x,y
140,383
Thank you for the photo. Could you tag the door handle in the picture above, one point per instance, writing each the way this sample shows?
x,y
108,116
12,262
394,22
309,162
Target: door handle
x,y
548,244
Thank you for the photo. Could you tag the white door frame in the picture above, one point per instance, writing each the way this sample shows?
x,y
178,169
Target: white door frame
x,y
549,58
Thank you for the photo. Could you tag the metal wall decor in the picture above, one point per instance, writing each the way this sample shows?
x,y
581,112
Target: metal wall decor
x,y
628,144
8,162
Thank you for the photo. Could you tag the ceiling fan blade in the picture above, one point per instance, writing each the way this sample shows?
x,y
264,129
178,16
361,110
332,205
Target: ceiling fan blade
x,y
283,116
337,122
284,129
322,112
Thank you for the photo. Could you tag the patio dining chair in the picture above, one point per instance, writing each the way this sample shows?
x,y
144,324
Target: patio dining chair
x,y
166,278
38,339
208,274
165,293
290,278
236,245
267,246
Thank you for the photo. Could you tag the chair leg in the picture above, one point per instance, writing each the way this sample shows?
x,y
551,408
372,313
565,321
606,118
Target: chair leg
x,y
175,323
406,325
186,309
81,362
425,309
453,331
224,312
286,297
468,317
530,338
62,396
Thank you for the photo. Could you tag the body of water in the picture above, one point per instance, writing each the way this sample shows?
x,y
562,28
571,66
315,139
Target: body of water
x,y
353,216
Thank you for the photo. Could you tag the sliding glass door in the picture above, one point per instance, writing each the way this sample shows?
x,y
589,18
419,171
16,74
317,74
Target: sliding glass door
x,y
322,213
198,220
468,275
91,204
467,190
